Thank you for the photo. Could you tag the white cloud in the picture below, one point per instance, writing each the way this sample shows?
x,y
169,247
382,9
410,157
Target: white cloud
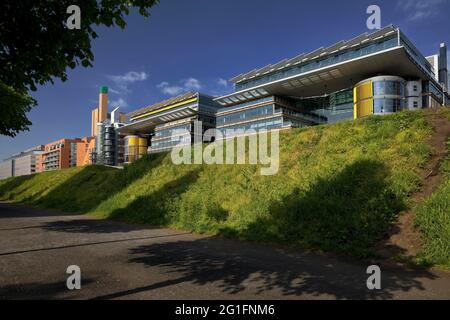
x,y
215,86
222,82
190,84
122,82
111,90
129,77
170,90
420,9
162,84
119,103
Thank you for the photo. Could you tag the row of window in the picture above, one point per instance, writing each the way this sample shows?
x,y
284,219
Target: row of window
x,y
262,124
388,105
171,142
430,87
55,146
246,115
341,57
340,98
168,132
381,88
293,123
245,104
413,52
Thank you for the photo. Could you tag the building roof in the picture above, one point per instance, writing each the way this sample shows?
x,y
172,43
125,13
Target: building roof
x,y
340,66
316,54
162,104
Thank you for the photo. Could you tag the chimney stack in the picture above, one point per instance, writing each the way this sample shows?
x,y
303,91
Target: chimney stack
x,y
103,104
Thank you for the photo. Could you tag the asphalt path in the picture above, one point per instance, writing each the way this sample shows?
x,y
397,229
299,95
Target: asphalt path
x,y
123,261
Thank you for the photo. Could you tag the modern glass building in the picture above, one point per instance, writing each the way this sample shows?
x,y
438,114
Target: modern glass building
x,y
20,164
170,122
376,73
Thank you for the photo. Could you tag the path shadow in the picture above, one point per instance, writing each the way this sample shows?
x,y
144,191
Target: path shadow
x,y
91,226
16,210
235,267
37,291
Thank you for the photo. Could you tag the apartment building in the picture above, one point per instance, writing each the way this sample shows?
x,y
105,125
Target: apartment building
x,y
62,154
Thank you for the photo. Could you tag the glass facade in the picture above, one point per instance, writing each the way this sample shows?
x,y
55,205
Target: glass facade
x,y
168,137
287,112
167,132
171,142
273,123
387,87
429,87
416,55
388,105
248,103
327,109
378,95
245,115
383,91
320,63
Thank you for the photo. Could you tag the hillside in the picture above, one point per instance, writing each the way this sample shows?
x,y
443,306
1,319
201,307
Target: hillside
x,y
339,188
432,218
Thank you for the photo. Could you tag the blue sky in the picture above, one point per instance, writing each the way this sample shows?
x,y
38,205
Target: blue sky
x,y
200,44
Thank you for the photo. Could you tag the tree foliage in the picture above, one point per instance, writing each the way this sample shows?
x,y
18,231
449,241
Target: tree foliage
x,y
36,47
14,107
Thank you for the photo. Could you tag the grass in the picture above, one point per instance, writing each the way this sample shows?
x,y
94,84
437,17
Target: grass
x,y
433,219
338,189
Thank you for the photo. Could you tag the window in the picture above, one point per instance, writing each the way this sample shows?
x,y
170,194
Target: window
x,y
415,88
415,104
388,105
386,87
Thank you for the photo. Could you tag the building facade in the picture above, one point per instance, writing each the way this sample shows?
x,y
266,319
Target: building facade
x,y
23,163
372,74
376,73
107,147
387,94
6,169
168,123
83,150
62,154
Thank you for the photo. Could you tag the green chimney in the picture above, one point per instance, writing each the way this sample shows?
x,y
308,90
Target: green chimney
x,y
103,89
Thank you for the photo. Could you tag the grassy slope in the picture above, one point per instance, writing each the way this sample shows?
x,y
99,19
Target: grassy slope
x,y
433,219
338,188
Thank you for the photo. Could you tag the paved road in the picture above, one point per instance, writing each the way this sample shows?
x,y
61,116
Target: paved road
x,y
122,261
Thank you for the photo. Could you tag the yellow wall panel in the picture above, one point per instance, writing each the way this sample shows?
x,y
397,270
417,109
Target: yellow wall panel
x,y
363,91
365,108
143,145
363,100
